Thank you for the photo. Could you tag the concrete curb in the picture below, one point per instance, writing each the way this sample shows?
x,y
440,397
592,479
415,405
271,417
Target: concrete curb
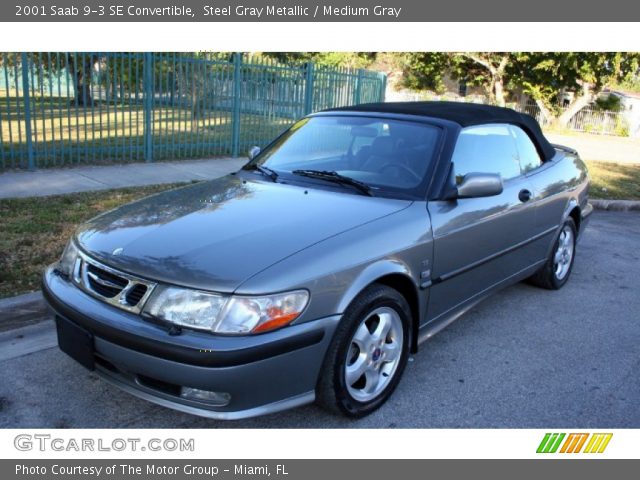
x,y
616,205
22,310
20,300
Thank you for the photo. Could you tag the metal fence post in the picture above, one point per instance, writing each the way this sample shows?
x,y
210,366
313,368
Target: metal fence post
x,y
24,61
237,98
148,105
308,92
383,87
357,93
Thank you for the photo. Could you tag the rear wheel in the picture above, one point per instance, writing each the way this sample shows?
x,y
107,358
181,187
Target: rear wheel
x,y
557,269
368,353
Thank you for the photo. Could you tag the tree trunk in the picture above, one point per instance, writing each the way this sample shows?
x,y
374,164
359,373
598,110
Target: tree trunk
x,y
498,87
574,107
496,71
80,71
547,115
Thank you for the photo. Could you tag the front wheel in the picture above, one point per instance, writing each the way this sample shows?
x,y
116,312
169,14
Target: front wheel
x,y
368,353
555,272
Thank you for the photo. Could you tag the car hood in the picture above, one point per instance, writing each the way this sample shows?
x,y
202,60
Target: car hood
x,y
215,235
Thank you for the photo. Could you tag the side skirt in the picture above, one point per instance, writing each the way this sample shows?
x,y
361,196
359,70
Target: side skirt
x,y
447,318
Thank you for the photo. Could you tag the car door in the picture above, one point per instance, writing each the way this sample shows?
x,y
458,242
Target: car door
x,y
549,184
480,242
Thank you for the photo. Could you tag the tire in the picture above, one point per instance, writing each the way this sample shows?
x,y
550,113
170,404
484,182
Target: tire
x,y
373,338
557,269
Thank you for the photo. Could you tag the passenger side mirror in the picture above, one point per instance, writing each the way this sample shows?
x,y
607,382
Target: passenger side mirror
x,y
253,152
480,185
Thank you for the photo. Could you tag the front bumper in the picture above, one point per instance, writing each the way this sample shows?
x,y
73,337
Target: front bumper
x,y
261,373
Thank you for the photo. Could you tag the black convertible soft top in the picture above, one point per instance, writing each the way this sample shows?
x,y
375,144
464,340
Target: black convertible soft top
x,y
465,115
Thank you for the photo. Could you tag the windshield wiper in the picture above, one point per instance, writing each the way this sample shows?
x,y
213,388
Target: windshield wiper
x,y
335,177
266,171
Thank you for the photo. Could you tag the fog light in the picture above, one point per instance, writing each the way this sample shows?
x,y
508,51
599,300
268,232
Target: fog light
x,y
216,399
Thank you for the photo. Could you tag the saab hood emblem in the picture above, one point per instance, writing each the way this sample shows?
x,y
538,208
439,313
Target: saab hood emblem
x,y
117,251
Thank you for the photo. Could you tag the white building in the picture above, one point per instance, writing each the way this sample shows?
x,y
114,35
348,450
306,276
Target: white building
x,y
630,103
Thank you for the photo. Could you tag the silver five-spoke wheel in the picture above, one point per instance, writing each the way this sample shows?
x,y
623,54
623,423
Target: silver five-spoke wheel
x,y
368,352
564,253
374,354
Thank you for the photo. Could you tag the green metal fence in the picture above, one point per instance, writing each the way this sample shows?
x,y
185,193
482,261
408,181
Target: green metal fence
x,y
86,108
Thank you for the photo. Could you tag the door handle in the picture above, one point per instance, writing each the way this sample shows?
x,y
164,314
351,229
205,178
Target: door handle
x,y
524,195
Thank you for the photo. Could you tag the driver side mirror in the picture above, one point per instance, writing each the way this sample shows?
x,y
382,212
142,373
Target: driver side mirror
x,y
480,185
253,152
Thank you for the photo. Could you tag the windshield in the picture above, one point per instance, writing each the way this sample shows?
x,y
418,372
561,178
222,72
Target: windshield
x,y
387,155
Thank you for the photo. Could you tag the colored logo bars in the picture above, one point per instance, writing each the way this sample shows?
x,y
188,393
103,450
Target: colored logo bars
x,y
592,443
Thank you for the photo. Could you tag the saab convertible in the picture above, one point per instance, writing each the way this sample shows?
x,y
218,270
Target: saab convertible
x,y
313,272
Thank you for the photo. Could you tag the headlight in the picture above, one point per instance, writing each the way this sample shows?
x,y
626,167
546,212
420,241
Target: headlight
x,y
235,315
189,308
261,314
68,259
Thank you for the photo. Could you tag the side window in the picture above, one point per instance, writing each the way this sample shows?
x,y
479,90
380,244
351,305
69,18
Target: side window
x,y
527,152
486,149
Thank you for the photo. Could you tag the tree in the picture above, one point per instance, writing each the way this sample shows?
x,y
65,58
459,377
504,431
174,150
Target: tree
x,y
424,70
81,68
427,71
544,75
488,69
535,75
326,59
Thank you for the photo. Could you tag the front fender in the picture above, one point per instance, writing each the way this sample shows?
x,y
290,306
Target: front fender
x,y
335,270
371,274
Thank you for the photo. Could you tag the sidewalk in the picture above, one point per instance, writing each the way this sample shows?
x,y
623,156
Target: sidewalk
x,y
56,181
604,148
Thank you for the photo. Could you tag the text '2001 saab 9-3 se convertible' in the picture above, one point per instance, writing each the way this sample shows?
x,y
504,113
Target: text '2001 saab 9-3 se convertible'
x,y
314,271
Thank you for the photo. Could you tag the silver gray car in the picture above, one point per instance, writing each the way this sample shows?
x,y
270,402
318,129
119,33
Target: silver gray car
x,y
313,272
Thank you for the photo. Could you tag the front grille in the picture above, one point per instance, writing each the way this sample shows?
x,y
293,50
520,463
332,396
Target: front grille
x,y
136,293
110,285
105,283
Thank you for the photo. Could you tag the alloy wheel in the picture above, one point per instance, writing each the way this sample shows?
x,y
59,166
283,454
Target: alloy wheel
x,y
374,354
564,253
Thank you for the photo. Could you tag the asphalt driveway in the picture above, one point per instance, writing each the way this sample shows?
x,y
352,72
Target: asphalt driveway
x,y
525,358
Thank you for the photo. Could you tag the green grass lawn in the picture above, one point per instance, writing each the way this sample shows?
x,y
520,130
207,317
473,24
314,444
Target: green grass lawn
x,y
36,230
614,180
